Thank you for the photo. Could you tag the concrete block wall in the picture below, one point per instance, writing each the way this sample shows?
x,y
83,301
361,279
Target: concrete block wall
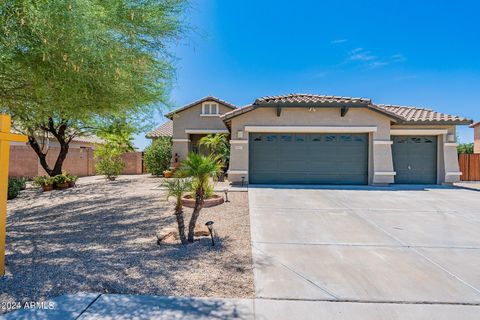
x,y
80,162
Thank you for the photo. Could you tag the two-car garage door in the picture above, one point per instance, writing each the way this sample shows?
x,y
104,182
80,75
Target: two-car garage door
x,y
323,158
300,158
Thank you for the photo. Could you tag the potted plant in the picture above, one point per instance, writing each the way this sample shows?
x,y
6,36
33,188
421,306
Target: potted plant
x,y
71,180
61,181
167,173
45,182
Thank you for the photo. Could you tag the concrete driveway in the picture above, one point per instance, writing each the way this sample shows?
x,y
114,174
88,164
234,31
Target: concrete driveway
x,y
388,250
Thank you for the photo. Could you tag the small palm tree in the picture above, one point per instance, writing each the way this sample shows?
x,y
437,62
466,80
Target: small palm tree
x,y
218,146
200,168
176,188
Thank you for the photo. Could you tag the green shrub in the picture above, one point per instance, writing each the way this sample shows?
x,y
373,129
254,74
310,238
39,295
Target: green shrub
x,y
14,187
466,148
109,163
158,155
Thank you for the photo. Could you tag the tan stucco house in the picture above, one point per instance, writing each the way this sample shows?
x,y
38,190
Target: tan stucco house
x,y
476,144
316,139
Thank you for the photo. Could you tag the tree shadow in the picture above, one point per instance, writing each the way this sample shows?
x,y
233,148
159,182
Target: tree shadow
x,y
103,239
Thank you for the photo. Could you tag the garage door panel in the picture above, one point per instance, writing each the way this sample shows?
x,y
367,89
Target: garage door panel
x,y
415,159
308,158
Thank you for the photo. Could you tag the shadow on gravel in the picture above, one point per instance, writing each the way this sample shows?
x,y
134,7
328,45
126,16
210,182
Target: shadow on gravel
x,y
103,240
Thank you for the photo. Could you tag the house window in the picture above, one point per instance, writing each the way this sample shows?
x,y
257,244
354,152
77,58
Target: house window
x,y
209,109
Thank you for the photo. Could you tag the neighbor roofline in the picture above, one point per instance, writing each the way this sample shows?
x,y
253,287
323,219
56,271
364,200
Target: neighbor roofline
x,y
474,124
192,104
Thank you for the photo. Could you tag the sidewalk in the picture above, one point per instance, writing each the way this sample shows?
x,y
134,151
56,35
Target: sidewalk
x,y
89,306
121,307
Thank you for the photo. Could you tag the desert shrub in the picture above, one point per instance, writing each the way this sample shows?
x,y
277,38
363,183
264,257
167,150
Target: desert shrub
x,y
109,162
14,187
157,156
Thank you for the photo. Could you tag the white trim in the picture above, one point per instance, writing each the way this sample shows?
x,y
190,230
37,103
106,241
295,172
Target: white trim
x,y
418,132
453,173
385,173
306,129
209,114
200,131
238,171
450,144
382,142
238,141
180,140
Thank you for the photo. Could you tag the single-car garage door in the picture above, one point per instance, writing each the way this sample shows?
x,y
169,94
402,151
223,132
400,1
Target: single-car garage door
x,y
299,158
415,159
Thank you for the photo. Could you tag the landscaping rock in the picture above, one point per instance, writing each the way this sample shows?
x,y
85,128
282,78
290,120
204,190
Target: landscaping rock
x,y
170,235
167,234
201,231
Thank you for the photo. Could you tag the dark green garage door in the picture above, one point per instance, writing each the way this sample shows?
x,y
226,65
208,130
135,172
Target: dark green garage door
x,y
308,158
415,159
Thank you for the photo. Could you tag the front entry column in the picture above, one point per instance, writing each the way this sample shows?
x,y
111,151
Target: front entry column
x,y
383,172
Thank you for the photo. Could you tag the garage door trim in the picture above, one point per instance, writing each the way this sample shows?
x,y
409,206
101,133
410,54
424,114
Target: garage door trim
x,y
310,129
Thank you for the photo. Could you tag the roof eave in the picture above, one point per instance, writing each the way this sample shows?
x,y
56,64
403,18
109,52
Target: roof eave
x,y
192,104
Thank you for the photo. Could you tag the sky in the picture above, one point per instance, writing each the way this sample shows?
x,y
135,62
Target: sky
x,y
414,53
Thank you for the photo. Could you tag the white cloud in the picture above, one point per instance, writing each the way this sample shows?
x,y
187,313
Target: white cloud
x,y
370,60
360,54
338,41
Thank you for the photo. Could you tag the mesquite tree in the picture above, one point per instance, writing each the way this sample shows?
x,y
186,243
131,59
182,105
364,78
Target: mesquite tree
x,y
65,65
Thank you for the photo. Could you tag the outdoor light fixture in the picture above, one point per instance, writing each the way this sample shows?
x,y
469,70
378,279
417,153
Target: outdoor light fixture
x,y
226,194
243,181
209,225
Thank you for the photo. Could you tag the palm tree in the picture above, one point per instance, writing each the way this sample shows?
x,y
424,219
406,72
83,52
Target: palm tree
x,y
176,188
218,146
200,168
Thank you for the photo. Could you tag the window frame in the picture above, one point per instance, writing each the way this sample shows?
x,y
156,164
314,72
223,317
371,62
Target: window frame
x,y
208,106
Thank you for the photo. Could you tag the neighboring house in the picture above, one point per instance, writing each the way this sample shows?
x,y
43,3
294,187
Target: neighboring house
x,y
164,131
476,128
315,139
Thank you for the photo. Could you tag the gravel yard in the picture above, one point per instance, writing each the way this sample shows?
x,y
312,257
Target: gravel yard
x,y
100,237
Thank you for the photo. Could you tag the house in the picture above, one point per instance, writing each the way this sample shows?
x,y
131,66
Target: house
x,y
317,139
476,128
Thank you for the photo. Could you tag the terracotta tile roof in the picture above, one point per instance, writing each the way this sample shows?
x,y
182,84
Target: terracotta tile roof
x,y
300,98
399,114
207,98
423,115
473,125
165,130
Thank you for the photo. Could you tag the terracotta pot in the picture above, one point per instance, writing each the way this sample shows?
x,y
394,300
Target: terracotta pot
x,y
61,186
167,174
214,200
47,187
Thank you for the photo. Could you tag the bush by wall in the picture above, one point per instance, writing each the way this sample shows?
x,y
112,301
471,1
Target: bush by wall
x,y
158,155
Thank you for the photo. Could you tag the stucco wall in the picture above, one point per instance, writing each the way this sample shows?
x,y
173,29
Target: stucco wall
x,y
191,118
477,138
380,154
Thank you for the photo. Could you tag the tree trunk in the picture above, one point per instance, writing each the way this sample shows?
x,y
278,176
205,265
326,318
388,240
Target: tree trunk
x,y
60,134
181,224
196,212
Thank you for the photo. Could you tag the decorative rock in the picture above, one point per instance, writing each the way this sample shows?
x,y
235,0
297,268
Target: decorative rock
x,y
201,231
170,235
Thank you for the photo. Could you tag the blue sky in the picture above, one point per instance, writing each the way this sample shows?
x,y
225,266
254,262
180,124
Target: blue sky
x,y
418,53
